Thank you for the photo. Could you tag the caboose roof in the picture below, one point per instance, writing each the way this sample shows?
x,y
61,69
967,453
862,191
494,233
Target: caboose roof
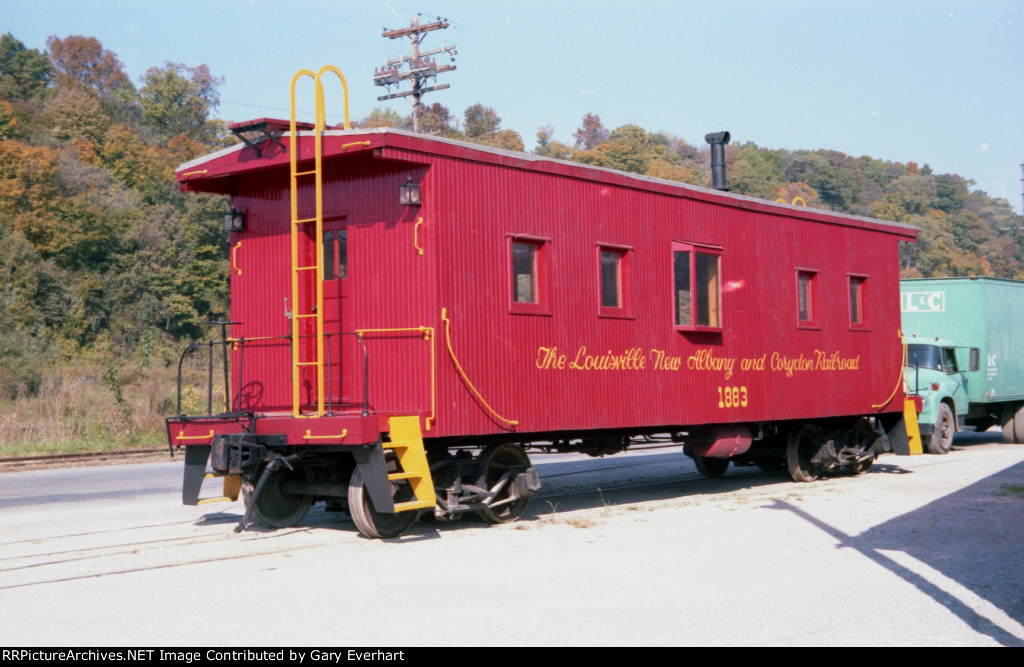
x,y
219,172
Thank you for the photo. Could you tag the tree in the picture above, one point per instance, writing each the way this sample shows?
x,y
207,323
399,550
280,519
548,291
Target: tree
x,y
8,122
84,61
24,72
381,118
835,176
75,113
757,172
631,148
591,133
659,168
505,139
951,192
29,188
914,192
148,169
547,147
436,119
481,121
177,99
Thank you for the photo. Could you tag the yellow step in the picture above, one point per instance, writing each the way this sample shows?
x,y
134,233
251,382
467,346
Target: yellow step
x,y
232,487
407,443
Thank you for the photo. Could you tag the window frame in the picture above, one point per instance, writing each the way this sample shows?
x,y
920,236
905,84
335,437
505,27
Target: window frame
x,y
813,319
542,303
695,249
335,255
861,280
625,308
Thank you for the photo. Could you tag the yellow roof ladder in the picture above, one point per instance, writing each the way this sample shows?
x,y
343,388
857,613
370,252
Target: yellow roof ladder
x,y
307,310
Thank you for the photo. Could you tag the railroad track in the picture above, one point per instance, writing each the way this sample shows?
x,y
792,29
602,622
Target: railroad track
x,y
10,464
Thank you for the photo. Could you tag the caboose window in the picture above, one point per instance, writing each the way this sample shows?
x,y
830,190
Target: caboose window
x,y
528,263
524,272
806,297
613,278
698,290
857,284
335,254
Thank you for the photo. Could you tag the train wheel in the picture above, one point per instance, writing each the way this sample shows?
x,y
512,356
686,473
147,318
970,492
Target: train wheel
x,y
801,447
864,431
495,461
369,521
275,508
942,437
710,467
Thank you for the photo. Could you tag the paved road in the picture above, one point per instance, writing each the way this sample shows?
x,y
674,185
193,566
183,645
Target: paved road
x,y
626,550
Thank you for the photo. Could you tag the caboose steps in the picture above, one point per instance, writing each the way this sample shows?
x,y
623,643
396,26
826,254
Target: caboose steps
x,y
407,444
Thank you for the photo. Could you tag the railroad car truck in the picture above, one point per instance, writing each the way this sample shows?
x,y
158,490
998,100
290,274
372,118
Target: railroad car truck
x,y
965,357
410,314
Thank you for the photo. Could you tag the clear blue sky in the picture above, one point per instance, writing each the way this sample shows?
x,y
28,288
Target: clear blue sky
x,y
932,81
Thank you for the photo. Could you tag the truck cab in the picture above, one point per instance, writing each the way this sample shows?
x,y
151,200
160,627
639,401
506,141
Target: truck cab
x,y
936,376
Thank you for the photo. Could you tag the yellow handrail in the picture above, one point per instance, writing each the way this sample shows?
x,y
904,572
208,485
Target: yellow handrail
x,y
309,435
182,436
416,236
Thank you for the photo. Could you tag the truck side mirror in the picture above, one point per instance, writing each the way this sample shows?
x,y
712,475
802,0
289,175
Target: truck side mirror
x,y
975,359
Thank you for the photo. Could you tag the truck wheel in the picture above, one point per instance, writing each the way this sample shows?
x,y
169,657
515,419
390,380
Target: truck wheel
x,y
1008,417
942,437
1018,424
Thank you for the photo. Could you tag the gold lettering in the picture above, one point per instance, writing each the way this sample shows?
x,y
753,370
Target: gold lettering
x,y
753,364
631,360
548,357
663,362
705,360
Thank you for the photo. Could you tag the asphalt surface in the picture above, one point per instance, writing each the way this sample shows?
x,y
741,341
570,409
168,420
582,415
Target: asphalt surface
x,y
628,550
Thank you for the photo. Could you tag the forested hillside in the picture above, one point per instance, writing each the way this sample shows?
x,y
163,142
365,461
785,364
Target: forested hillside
x,y
106,270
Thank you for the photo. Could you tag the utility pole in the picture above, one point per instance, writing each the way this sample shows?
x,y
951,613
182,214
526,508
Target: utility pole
x,y
420,66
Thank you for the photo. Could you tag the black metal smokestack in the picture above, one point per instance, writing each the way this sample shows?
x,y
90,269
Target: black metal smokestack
x,y
718,141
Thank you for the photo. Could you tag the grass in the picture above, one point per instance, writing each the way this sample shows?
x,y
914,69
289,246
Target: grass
x,y
99,408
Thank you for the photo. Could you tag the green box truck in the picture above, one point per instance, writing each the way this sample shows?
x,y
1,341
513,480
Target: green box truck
x,y
965,356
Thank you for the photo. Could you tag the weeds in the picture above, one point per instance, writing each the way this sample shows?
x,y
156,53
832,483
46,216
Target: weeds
x,y
580,522
100,405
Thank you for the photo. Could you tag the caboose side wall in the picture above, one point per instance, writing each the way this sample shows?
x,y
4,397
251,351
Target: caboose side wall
x,y
538,369
532,367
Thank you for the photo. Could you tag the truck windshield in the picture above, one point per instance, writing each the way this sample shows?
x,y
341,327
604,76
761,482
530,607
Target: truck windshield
x,y
923,356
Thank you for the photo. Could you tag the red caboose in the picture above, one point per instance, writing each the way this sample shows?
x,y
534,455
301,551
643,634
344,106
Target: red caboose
x,y
395,295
